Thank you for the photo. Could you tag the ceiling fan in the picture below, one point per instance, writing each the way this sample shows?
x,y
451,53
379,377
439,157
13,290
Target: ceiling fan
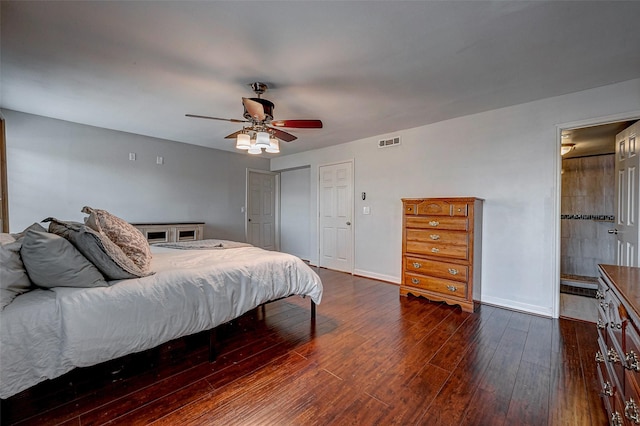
x,y
262,128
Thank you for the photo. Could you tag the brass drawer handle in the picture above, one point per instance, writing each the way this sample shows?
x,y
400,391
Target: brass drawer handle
x,y
632,361
599,357
616,419
604,306
434,223
599,295
453,271
612,356
607,389
435,250
415,281
434,237
452,288
631,411
417,265
601,325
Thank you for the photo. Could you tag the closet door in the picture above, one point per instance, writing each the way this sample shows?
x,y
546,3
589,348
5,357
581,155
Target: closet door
x,y
627,193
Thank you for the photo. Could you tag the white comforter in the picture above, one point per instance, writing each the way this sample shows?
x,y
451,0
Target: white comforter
x,y
46,333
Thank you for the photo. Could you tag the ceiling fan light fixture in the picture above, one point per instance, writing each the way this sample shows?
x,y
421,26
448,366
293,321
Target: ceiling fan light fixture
x,y
243,141
254,149
262,140
274,146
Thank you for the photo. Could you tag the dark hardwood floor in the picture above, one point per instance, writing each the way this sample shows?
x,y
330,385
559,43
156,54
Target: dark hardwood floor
x,y
372,358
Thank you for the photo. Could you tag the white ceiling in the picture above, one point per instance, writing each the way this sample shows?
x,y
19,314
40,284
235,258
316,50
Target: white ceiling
x,y
363,68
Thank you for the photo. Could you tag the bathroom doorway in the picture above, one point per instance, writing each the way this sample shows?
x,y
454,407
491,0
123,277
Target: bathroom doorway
x,y
587,215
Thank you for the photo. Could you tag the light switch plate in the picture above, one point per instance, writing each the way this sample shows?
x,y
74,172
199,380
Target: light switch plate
x,y
366,210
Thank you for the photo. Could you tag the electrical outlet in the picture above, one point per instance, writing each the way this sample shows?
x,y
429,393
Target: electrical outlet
x,y
132,156
159,160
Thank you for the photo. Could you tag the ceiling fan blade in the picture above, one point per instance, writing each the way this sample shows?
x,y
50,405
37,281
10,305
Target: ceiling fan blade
x,y
255,109
233,135
233,120
298,124
287,137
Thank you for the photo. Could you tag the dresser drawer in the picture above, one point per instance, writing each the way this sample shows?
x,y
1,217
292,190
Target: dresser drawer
x,y
435,222
434,208
612,309
451,251
410,208
459,209
438,269
606,388
438,285
438,236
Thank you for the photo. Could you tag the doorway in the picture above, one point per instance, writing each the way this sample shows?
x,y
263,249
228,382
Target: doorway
x,y
336,216
587,214
262,220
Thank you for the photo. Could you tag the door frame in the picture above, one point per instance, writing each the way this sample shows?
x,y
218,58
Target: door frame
x,y
557,158
4,187
353,201
276,201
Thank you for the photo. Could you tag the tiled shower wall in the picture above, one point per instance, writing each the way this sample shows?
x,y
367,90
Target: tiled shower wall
x,y
587,198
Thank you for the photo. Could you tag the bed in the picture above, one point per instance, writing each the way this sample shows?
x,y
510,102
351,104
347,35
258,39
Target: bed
x,y
45,333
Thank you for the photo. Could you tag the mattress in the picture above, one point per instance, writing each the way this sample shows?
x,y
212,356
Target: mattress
x,y
46,333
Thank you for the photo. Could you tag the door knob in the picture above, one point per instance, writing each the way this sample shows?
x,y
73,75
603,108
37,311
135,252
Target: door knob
x,y
348,223
612,231
249,220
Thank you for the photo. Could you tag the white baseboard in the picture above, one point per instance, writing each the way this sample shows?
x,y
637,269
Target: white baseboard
x,y
376,276
515,306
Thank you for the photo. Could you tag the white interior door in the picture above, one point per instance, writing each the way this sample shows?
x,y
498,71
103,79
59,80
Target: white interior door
x,y
336,216
627,189
262,230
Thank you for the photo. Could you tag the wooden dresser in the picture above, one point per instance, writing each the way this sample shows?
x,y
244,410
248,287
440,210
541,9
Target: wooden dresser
x,y
441,249
618,357
171,232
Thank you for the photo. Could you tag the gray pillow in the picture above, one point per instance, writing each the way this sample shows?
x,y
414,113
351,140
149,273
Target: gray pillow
x,y
98,248
35,227
52,261
13,277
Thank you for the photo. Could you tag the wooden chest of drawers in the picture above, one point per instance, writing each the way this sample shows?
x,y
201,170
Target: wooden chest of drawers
x,y
441,249
618,357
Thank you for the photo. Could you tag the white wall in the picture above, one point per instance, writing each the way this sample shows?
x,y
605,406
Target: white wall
x,y
295,206
509,157
56,167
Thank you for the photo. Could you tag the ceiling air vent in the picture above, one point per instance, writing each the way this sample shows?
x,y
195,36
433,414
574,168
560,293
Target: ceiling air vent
x,y
385,143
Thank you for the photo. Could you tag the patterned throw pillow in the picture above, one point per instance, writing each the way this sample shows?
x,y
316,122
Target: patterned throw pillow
x,y
125,235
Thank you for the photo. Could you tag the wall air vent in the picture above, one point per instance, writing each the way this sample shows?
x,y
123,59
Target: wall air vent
x,y
385,143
